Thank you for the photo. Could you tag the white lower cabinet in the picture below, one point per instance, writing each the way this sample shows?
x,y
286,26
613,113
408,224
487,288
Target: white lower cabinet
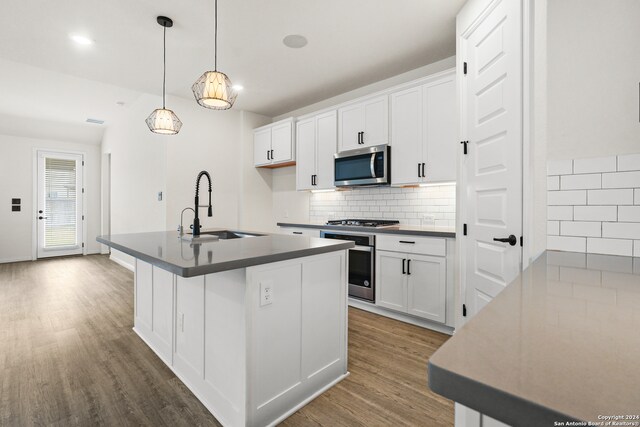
x,y
413,284
309,232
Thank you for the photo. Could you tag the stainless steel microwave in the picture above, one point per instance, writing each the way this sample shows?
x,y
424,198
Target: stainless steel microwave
x,y
364,166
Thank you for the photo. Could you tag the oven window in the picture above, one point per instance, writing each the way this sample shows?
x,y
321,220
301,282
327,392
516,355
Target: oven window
x,y
360,268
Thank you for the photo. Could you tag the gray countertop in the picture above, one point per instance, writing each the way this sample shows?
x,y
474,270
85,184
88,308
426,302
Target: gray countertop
x,y
560,343
400,229
166,250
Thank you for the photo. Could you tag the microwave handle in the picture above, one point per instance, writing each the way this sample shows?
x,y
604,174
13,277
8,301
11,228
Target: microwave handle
x,y
372,165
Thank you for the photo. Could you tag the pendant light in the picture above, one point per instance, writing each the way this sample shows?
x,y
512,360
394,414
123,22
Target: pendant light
x,y
213,89
162,120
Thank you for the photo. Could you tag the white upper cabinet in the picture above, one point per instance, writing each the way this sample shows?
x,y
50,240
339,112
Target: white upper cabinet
x,y
316,139
274,144
423,132
364,124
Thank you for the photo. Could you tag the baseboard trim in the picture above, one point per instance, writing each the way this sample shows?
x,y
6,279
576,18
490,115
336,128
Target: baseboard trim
x,y
423,323
122,263
9,260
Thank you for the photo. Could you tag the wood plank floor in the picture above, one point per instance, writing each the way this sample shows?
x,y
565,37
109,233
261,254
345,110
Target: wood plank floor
x,y
68,357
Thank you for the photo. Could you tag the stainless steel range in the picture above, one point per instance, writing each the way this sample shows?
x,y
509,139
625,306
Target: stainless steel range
x,y
362,257
376,223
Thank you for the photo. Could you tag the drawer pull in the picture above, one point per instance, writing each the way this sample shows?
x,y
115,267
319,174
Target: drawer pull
x,y
297,232
407,241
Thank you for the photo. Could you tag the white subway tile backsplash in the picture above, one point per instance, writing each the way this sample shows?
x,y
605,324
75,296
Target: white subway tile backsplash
x,y
621,230
566,198
408,205
583,229
559,167
629,213
621,180
610,197
610,246
571,244
595,213
629,162
581,182
608,221
560,212
596,164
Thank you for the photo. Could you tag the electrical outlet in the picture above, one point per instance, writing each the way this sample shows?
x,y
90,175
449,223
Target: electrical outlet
x,y
266,293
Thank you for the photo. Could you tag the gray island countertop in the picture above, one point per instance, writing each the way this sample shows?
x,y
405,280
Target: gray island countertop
x,y
166,250
407,230
560,343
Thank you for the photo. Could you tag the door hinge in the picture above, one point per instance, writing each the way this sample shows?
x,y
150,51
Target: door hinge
x,y
521,241
83,163
83,191
83,217
83,245
464,66
464,229
465,145
464,310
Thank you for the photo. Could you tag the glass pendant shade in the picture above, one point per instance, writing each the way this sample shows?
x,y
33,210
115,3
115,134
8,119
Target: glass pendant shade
x,y
214,90
164,122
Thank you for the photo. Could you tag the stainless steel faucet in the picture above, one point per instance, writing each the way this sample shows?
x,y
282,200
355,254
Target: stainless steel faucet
x,y
181,227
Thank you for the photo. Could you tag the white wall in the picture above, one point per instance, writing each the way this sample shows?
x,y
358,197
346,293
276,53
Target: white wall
x,y
593,75
144,163
17,175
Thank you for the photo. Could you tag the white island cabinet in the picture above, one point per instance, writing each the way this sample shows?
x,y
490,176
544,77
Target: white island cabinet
x,y
253,343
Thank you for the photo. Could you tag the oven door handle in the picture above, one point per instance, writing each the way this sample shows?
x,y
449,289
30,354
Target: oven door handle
x,y
362,248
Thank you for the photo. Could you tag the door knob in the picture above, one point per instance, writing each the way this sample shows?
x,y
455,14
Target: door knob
x,y
42,217
512,240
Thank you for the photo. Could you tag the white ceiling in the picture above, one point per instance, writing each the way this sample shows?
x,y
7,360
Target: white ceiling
x,y
351,43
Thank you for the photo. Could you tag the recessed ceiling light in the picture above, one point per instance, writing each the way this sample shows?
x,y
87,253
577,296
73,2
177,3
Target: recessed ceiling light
x,y
238,87
80,39
295,41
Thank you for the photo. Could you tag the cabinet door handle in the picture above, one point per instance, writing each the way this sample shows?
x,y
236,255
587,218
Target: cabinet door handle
x,y
271,154
423,175
362,137
407,241
419,176
268,155
409,267
297,232
403,266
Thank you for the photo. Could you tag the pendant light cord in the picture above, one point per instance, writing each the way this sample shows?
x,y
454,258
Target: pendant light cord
x,y
215,38
164,65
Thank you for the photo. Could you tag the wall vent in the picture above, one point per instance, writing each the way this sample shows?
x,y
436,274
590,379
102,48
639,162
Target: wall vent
x,y
95,121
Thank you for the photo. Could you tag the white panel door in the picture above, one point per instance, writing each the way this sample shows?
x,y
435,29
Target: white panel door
x,y
350,124
427,287
281,143
391,279
441,130
376,122
491,98
407,136
305,153
262,147
326,147
59,206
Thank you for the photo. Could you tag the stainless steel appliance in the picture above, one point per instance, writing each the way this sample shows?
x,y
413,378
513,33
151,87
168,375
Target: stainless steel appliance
x,y
364,166
375,223
361,262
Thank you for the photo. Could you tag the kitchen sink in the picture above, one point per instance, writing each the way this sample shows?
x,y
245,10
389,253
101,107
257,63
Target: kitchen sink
x,y
227,234
218,235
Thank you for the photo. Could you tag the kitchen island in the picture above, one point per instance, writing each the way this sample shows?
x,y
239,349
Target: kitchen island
x,y
255,325
559,344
